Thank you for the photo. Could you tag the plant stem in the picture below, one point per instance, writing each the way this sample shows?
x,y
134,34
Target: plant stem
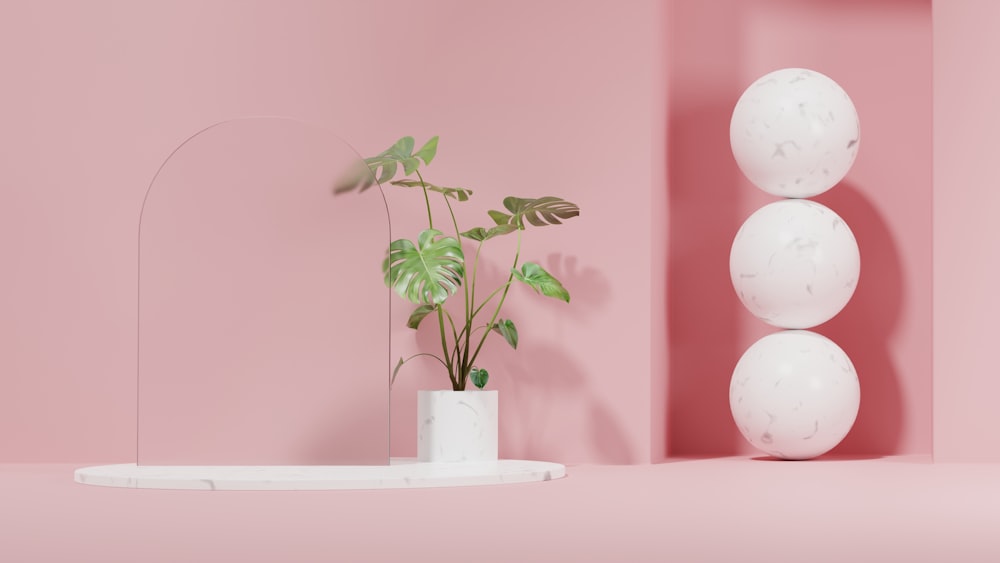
x,y
444,347
393,380
440,310
454,331
475,274
492,295
463,368
496,313
427,201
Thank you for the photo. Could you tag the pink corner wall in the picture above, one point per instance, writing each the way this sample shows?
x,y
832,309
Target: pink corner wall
x,y
716,50
529,98
966,87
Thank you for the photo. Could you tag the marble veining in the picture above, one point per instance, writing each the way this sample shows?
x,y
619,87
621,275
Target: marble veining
x,y
457,426
399,474
794,263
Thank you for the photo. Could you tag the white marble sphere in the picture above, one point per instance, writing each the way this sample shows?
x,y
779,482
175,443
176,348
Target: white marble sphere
x,y
794,394
795,133
794,263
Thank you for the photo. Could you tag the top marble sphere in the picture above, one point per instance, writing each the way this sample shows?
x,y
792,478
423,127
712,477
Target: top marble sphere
x,y
795,133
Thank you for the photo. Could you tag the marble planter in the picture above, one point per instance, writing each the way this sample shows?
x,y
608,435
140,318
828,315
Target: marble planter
x,y
454,426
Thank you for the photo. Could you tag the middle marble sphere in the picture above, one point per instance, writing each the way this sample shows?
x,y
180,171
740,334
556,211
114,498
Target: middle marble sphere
x,y
794,263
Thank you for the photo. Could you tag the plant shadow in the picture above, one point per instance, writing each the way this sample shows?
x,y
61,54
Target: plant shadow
x,y
548,411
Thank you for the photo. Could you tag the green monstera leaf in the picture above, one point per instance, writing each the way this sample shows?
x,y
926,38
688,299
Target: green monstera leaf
x,y
359,177
461,194
541,281
479,234
426,273
384,165
539,212
428,151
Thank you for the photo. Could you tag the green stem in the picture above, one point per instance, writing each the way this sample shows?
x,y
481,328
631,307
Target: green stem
x,y
427,200
475,274
462,372
496,313
440,310
510,280
454,331
393,380
444,347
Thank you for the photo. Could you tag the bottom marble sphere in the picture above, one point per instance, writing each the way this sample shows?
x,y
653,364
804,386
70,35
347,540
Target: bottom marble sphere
x,y
794,394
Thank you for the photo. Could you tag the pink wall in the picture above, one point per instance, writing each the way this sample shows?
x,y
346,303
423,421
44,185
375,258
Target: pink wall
x,y
558,103
529,98
717,51
966,87
250,351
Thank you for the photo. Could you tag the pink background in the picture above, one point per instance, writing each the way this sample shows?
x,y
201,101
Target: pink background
x,y
621,108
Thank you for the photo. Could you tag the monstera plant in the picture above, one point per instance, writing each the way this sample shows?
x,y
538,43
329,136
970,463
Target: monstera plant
x,y
433,269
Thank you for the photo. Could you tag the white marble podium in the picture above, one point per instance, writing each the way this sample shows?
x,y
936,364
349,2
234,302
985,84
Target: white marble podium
x,y
401,473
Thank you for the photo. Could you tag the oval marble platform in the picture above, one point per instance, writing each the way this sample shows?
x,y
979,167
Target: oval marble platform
x,y
401,473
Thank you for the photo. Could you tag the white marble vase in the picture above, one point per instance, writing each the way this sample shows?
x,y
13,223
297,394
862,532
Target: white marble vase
x,y
456,426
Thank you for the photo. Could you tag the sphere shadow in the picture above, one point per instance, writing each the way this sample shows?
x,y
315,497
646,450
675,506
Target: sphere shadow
x,y
822,458
704,197
866,324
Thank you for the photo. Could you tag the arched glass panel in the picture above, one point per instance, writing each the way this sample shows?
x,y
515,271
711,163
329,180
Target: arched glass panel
x,y
263,319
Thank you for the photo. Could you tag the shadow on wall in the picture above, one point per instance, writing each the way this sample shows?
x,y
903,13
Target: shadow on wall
x,y
546,406
532,430
538,375
866,324
703,209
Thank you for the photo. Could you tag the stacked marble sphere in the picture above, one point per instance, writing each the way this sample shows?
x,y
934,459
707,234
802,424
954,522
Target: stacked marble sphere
x,y
794,264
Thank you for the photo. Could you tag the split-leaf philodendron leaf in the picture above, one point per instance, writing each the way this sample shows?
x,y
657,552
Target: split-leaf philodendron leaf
x,y
427,152
539,212
425,273
384,166
461,194
480,234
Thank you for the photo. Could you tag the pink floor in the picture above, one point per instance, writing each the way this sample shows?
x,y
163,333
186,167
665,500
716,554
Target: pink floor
x,y
731,509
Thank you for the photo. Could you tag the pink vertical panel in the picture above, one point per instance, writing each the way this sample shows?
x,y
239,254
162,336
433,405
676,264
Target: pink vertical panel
x,y
966,231
263,334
